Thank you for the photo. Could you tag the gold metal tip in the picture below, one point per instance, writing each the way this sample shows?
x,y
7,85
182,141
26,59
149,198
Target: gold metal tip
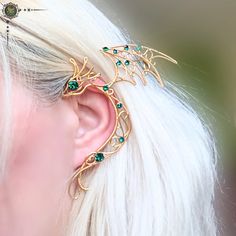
x,y
130,62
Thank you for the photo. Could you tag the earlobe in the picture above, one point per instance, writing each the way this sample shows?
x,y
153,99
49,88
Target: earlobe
x,y
97,119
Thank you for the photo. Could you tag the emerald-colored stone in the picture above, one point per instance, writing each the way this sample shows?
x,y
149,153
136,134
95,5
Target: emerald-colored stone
x,y
121,139
126,48
73,85
119,105
105,49
138,47
99,157
11,10
105,88
115,51
118,63
127,62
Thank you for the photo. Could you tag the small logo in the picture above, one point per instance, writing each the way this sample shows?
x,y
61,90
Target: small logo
x,y
10,10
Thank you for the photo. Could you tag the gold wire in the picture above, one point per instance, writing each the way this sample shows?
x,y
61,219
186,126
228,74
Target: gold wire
x,y
86,78
123,123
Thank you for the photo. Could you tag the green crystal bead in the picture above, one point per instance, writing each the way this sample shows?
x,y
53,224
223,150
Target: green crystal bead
x,y
127,62
105,88
118,63
126,48
115,51
99,157
121,139
105,49
10,10
119,105
138,48
73,85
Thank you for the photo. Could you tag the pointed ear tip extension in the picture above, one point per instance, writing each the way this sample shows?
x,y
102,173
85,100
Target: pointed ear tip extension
x,y
121,58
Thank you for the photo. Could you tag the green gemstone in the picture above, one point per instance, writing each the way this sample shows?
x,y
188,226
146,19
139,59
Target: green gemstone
x,y
138,48
126,48
11,10
73,85
121,139
99,157
105,49
105,88
115,51
119,105
118,63
127,62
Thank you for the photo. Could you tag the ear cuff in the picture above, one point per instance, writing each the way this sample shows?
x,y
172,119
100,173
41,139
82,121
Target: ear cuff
x,y
130,61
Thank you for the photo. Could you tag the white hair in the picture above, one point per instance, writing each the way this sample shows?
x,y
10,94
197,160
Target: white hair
x,y
161,182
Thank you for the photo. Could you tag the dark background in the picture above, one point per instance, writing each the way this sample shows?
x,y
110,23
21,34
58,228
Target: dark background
x,y
201,36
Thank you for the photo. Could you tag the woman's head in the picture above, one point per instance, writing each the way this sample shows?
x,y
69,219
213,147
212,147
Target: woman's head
x,y
50,136
48,144
161,182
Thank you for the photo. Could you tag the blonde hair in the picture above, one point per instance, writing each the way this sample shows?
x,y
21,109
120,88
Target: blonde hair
x,y
162,181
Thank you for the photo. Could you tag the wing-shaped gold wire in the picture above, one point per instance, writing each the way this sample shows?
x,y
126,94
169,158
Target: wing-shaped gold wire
x,y
132,59
129,60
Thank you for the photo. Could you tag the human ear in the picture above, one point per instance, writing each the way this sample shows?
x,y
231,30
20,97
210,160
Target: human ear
x,y
96,121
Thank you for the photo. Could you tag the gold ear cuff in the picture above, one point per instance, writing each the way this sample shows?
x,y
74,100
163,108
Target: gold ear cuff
x,y
129,61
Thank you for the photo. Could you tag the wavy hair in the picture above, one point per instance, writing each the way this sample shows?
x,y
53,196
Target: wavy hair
x,y
162,181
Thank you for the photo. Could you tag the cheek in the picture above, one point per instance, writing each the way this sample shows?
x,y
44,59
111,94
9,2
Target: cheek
x,y
39,165
41,150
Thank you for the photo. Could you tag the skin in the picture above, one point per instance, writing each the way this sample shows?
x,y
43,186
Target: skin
x,y
49,144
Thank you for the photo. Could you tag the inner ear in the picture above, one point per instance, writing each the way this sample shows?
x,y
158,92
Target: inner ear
x,y
97,120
